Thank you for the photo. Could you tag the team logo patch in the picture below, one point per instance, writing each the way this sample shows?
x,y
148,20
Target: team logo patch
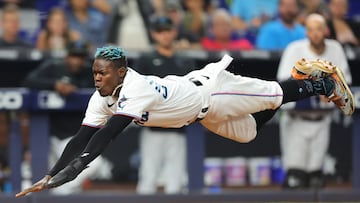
x,y
122,102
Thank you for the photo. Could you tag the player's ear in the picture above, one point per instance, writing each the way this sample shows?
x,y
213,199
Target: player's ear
x,y
122,72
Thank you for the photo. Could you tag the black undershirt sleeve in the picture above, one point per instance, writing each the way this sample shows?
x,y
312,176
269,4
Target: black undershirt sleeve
x,y
73,148
97,144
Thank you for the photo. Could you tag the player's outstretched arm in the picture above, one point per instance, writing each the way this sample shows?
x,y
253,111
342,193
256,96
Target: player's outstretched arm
x,y
75,146
69,173
94,148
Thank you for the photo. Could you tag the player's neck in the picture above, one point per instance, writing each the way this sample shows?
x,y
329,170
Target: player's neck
x,y
318,49
9,37
165,51
115,93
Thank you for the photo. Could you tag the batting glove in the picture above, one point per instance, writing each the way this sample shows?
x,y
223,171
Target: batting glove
x,y
69,173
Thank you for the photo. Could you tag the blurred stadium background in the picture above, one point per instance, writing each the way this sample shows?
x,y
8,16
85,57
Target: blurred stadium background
x,y
24,126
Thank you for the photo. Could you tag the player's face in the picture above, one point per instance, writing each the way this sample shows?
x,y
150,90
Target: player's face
x,y
316,32
57,23
164,38
11,23
222,29
107,77
75,63
288,10
338,8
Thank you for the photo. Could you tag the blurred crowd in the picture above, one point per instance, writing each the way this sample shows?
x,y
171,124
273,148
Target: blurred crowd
x,y
201,24
60,27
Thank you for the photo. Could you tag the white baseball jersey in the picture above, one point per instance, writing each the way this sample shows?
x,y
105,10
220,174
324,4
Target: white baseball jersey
x,y
223,100
152,101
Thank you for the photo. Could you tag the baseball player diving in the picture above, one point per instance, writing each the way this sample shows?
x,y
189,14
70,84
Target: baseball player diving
x,y
229,105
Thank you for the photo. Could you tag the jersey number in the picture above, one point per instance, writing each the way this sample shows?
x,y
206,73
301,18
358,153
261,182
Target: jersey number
x,y
158,87
144,118
162,90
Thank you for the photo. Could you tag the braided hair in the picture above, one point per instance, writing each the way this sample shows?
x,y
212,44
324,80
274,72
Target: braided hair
x,y
116,55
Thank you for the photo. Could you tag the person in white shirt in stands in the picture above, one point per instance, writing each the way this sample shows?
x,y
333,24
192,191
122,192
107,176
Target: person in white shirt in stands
x,y
303,151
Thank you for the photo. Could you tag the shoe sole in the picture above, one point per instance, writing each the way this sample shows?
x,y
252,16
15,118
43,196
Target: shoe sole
x,y
350,98
304,69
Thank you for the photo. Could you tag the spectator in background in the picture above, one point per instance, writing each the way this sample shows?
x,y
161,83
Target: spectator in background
x,y
10,26
158,6
251,15
162,151
215,4
25,169
277,34
308,7
222,35
10,38
4,172
135,13
90,19
304,151
56,36
195,17
185,39
65,77
20,3
346,31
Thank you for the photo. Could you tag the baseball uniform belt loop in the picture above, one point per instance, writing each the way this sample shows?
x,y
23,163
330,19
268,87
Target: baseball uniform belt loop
x,y
202,114
196,82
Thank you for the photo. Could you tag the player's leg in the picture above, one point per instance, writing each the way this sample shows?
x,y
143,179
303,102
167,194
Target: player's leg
x,y
294,151
241,129
295,154
234,121
237,97
294,90
174,171
151,157
318,148
245,95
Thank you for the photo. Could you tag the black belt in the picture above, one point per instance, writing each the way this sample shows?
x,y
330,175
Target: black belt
x,y
203,110
308,117
315,118
159,129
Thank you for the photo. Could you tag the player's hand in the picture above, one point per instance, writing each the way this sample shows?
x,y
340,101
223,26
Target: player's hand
x,y
37,187
69,173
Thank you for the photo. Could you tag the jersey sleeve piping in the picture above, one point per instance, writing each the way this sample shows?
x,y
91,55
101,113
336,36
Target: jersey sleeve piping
x,y
128,115
91,126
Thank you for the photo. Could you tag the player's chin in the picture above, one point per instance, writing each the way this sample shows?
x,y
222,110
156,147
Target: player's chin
x,y
103,93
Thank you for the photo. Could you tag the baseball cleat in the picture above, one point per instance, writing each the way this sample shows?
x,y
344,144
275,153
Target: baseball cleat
x,y
341,95
304,69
